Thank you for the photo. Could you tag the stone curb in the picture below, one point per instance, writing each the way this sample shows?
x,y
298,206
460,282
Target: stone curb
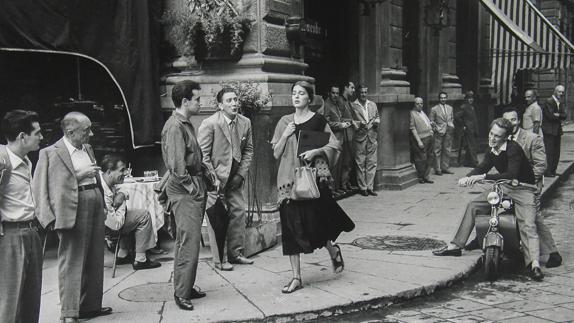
x,y
384,301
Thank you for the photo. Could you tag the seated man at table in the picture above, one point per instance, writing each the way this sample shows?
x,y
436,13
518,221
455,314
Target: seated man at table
x,y
119,218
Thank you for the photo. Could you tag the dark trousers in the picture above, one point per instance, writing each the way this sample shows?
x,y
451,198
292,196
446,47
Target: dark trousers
x,y
423,157
20,276
81,257
468,142
552,145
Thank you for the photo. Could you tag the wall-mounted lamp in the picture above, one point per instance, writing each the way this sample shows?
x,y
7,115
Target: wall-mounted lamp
x,y
369,5
437,15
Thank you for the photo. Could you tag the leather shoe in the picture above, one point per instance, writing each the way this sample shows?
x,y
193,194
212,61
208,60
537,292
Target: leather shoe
x,y
536,274
363,192
428,181
473,245
196,294
554,260
372,193
438,173
447,252
103,311
147,264
69,320
184,304
422,181
129,259
446,171
224,266
241,260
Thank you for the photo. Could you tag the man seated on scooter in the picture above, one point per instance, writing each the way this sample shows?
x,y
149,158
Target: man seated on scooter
x,y
511,163
533,147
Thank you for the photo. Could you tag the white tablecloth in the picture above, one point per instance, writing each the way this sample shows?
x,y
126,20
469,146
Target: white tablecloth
x,y
142,196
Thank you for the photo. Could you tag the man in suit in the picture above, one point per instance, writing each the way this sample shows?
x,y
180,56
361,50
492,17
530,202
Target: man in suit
x,y
421,140
533,147
532,118
20,245
366,116
346,106
511,163
553,113
466,117
120,218
340,120
69,198
441,116
185,189
227,146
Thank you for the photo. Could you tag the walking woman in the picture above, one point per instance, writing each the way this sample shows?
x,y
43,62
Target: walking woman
x,y
310,224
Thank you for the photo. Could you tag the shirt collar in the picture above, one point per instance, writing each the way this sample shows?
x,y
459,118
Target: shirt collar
x,y
15,160
227,120
71,147
499,150
517,133
555,99
180,116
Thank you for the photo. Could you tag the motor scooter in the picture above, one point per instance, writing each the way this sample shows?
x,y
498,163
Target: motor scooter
x,y
497,232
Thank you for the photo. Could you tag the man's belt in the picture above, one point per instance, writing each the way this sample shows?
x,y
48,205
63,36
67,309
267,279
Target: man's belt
x,y
30,224
87,187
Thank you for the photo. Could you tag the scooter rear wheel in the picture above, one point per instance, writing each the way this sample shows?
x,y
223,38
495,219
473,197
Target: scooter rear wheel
x,y
491,263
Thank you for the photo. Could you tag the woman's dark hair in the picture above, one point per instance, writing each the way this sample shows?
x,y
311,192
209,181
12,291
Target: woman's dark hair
x,y
308,87
17,121
183,89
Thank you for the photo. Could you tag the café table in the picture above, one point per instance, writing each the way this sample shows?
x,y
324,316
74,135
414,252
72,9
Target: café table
x,y
142,196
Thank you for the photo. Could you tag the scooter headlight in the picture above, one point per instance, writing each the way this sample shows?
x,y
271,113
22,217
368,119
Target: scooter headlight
x,y
506,204
493,222
493,198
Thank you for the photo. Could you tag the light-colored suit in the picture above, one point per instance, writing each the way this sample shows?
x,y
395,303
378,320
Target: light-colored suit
x,y
533,147
444,126
214,137
79,221
365,143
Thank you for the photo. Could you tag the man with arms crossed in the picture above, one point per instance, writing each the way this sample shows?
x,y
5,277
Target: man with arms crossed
x,y
68,196
227,146
553,113
20,246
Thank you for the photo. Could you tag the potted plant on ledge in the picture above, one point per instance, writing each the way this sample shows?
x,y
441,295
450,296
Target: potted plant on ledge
x,y
210,30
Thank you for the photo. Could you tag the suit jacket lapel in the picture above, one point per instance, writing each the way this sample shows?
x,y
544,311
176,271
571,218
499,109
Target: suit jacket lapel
x,y
64,154
224,127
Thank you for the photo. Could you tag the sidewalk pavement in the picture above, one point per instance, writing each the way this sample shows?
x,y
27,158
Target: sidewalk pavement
x,y
372,278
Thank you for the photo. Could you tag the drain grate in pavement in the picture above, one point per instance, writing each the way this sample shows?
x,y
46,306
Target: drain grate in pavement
x,y
152,292
402,243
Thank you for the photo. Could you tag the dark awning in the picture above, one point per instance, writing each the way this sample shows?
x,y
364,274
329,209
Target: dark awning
x,y
120,35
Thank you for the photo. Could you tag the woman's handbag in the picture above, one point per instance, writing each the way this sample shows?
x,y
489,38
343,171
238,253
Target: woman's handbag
x,y
305,184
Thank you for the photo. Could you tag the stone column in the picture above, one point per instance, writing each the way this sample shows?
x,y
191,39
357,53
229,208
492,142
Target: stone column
x,y
393,98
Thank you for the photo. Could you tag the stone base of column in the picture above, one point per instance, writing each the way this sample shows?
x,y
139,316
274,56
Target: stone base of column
x,y
396,179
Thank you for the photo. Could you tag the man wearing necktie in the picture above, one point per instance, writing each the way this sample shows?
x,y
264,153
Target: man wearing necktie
x,y
227,146
553,114
442,117
69,198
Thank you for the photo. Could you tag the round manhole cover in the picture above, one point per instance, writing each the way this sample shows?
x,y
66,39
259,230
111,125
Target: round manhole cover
x,y
154,292
403,243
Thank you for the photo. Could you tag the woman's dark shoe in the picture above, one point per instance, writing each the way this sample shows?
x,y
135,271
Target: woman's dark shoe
x,y
447,252
337,261
294,285
554,260
536,273
184,304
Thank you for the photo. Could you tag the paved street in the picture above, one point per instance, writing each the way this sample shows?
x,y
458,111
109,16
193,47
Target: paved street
x,y
376,273
513,298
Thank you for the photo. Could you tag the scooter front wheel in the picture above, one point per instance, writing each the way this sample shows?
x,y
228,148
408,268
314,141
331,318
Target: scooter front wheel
x,y
491,263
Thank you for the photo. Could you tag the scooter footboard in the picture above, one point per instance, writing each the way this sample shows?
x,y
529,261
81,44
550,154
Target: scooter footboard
x,y
506,227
